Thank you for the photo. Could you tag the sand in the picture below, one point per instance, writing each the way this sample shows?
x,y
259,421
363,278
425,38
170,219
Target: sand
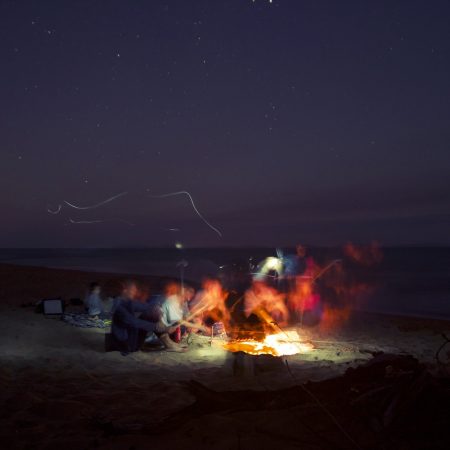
x,y
60,390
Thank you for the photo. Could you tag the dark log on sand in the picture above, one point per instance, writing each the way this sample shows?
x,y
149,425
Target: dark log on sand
x,y
246,365
390,401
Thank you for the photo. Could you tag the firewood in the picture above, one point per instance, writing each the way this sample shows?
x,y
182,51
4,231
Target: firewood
x,y
405,398
368,394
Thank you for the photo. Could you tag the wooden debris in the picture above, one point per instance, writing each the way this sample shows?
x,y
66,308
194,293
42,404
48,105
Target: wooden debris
x,y
391,399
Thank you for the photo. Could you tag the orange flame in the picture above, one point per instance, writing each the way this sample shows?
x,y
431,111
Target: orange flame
x,y
322,295
210,303
301,295
278,344
368,255
334,317
263,298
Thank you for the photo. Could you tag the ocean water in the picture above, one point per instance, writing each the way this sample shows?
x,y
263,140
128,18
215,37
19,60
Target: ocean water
x,y
408,281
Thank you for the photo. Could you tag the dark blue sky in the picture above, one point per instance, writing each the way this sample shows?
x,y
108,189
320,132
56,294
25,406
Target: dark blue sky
x,y
292,121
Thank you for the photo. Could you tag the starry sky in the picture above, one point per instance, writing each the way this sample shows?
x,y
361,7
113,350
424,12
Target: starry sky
x,y
286,121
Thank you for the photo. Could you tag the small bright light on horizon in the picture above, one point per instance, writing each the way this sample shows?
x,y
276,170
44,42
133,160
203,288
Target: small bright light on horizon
x,y
178,245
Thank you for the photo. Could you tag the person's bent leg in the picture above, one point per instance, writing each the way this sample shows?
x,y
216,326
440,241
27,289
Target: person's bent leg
x,y
170,344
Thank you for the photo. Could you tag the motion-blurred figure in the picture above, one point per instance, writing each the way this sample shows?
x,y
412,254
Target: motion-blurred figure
x,y
266,303
129,331
294,264
93,302
173,311
208,306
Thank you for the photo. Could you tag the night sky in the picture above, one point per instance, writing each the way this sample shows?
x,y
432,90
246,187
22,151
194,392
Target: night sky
x,y
287,121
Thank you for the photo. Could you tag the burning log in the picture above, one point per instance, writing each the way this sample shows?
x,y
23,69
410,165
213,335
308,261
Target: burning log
x,y
277,344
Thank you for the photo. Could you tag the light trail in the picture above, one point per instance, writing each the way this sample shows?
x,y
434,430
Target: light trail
x,y
172,194
100,221
104,202
54,212
108,200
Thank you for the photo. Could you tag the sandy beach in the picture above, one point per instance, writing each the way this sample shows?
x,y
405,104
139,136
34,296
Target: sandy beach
x,y
61,390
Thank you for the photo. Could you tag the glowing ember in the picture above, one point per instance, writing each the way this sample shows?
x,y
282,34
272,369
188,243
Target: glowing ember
x,y
279,344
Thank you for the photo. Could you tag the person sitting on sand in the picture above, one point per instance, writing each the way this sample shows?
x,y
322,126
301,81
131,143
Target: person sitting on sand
x,y
129,331
173,311
93,302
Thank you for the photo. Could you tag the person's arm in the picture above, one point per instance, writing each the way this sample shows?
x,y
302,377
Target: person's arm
x,y
128,319
141,307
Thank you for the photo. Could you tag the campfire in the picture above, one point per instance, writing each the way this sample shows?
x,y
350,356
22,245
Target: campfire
x,y
254,309
283,343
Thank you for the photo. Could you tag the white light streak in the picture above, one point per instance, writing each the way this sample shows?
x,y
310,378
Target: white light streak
x,y
97,204
54,212
100,221
172,194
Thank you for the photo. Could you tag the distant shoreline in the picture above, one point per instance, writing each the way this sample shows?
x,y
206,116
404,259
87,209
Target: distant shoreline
x,y
26,283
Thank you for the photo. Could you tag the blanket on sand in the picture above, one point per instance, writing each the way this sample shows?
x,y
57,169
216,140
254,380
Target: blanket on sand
x,y
85,321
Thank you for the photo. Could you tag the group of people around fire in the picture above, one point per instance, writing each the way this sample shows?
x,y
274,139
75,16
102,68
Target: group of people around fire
x,y
265,296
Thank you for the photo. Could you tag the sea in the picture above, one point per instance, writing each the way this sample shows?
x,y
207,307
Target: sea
x,y
410,281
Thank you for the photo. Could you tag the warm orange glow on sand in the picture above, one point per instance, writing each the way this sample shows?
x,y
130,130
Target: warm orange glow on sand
x,y
279,344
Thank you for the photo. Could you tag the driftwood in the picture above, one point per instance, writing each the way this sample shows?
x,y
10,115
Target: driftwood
x,y
443,364
390,399
404,397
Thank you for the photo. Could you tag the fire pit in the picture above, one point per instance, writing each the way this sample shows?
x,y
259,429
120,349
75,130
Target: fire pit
x,y
253,356
278,344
